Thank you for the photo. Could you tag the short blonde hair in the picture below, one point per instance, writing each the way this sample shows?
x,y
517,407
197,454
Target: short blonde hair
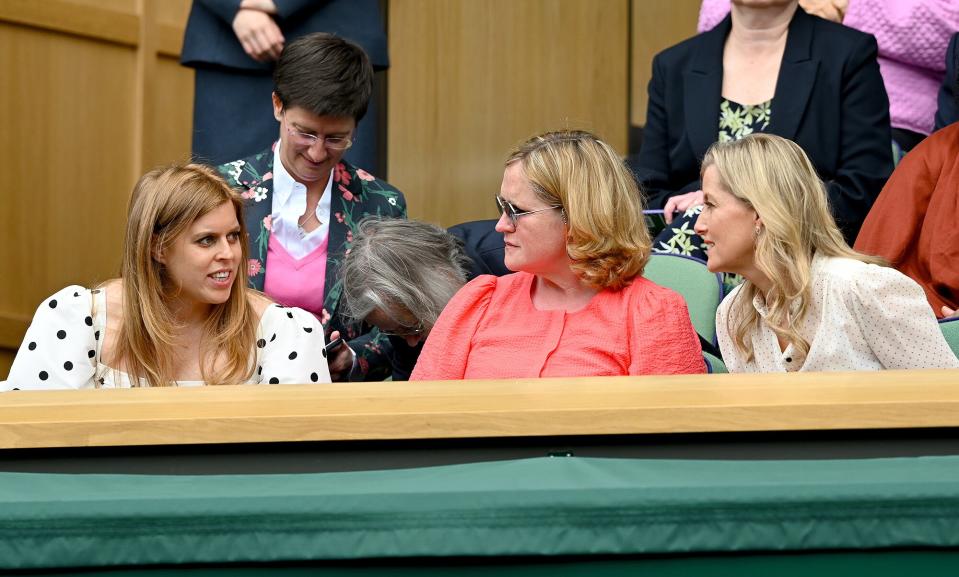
x,y
775,178
165,202
608,241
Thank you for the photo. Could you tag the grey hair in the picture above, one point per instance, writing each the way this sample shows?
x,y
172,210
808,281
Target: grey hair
x,y
402,263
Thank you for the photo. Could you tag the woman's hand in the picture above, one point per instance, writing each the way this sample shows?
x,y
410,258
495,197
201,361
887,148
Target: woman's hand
x,y
834,10
681,204
258,33
340,359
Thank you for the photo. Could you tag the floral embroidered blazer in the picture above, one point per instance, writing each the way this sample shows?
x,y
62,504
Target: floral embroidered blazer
x,y
356,194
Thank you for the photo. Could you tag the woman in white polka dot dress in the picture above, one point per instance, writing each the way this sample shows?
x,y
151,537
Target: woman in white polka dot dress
x,y
809,303
181,313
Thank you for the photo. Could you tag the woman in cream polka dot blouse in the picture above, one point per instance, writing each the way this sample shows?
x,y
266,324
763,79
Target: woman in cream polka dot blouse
x,y
809,303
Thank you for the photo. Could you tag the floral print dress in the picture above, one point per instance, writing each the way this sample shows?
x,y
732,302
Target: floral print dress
x,y
735,121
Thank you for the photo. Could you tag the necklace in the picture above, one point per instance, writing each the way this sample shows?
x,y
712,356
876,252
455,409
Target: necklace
x,y
303,220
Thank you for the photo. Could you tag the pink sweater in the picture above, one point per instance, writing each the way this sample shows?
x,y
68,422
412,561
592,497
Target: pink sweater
x,y
912,37
491,330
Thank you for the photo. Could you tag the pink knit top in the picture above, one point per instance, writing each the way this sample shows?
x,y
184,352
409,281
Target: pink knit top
x,y
296,282
492,330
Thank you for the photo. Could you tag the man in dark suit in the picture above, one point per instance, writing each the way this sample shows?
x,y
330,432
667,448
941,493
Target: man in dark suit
x,y
484,247
829,98
234,44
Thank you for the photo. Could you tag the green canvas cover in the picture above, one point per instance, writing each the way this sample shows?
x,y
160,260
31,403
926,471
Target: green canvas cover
x,y
547,506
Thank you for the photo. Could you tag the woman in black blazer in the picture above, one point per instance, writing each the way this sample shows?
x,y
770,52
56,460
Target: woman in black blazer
x,y
829,98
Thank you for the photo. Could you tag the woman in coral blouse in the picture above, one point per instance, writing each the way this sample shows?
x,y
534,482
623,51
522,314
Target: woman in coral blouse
x,y
577,305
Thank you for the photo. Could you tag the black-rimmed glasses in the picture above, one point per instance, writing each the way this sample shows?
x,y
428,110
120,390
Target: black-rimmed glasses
x,y
513,213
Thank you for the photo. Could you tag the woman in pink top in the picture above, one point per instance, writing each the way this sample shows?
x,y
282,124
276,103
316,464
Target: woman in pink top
x,y
571,217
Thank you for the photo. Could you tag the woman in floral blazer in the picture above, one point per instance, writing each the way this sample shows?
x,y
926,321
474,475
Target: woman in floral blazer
x,y
356,194
304,201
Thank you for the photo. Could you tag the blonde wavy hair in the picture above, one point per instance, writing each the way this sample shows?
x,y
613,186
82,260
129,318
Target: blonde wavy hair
x,y
607,241
165,202
774,177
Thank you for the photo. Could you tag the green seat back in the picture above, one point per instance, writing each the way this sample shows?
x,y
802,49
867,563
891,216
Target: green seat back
x,y
715,364
690,278
950,330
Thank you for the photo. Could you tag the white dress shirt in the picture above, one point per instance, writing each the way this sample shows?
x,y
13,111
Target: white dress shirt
x,y
289,204
860,317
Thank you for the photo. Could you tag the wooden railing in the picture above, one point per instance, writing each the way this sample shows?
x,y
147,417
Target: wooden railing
x,y
476,409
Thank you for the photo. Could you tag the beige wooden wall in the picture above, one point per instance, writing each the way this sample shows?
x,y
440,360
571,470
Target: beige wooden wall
x,y
470,79
654,25
92,95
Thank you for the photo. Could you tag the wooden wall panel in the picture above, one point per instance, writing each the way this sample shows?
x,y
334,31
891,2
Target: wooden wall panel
x,y
107,21
470,79
655,25
173,13
171,16
128,6
92,95
173,120
68,125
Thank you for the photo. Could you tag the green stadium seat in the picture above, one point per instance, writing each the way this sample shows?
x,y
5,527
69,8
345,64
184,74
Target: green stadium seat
x,y
689,277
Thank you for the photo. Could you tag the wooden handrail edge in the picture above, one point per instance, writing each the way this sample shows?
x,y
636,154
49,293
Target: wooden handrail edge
x,y
466,409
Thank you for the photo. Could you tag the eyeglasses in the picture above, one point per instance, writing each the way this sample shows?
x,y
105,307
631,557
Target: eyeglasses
x,y
513,213
331,142
404,332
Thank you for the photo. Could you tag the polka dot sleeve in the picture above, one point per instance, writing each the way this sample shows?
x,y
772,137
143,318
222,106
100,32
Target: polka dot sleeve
x,y
897,322
59,349
289,348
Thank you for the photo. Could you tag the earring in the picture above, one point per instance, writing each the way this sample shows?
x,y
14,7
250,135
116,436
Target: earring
x,y
758,230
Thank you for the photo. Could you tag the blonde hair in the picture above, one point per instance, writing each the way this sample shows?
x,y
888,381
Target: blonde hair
x,y
607,242
165,202
774,177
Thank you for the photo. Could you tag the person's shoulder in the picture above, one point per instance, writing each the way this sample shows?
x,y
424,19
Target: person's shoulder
x,y
66,311
259,301
487,284
480,291
380,196
275,316
841,268
244,171
943,141
289,347
853,278
69,298
367,180
651,292
830,37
